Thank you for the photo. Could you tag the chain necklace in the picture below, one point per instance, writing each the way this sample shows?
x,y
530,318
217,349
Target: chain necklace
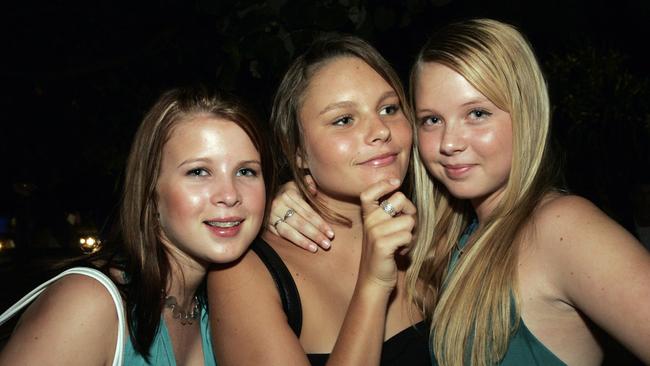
x,y
184,317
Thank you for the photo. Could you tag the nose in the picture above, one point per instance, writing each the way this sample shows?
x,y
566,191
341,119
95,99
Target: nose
x,y
452,141
378,130
226,193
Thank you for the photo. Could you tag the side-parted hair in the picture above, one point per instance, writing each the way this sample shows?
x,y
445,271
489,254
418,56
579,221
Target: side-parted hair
x,y
143,257
285,116
474,309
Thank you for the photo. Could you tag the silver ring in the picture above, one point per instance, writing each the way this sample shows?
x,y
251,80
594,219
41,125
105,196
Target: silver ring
x,y
288,214
388,208
275,224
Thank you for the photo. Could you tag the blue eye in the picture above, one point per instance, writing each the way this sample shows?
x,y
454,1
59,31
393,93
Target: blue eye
x,y
343,121
198,172
246,172
480,113
389,110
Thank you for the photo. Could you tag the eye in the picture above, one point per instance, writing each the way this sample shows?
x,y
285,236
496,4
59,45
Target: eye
x,y
429,120
389,110
247,172
197,172
343,121
479,113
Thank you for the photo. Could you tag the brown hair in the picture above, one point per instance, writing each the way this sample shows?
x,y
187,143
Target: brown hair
x,y
288,100
144,259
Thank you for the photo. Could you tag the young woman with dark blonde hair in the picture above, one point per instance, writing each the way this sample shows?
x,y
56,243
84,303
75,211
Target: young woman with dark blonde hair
x,y
340,116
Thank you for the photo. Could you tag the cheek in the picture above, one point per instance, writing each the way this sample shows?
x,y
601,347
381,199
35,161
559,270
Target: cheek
x,y
179,202
255,196
428,143
403,135
495,142
329,153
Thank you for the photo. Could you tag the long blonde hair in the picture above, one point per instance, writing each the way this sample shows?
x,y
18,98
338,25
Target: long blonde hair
x,y
472,308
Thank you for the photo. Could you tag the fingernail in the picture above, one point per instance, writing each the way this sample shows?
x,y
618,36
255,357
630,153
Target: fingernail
x,y
326,244
330,234
394,181
313,248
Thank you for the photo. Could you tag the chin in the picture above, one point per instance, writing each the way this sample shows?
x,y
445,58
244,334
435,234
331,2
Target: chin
x,y
228,254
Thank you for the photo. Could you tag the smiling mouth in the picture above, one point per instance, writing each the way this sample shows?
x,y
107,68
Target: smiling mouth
x,y
381,161
223,224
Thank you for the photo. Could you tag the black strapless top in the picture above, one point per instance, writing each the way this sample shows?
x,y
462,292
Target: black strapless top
x,y
408,347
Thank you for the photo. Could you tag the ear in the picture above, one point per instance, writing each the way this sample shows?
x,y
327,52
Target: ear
x,y
301,159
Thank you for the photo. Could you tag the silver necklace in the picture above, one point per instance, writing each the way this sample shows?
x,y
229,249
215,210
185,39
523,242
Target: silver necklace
x,y
185,317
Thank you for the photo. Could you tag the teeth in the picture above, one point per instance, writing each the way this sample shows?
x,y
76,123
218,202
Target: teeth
x,y
223,223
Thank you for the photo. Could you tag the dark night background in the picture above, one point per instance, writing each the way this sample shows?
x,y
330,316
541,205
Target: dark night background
x,y
77,77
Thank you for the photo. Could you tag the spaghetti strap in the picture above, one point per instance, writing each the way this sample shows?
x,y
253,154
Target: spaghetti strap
x,y
101,278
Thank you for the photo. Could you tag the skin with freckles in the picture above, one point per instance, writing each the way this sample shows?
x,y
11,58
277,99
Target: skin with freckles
x,y
210,191
354,130
464,139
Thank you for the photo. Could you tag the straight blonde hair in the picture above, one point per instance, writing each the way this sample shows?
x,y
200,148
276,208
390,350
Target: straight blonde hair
x,y
472,309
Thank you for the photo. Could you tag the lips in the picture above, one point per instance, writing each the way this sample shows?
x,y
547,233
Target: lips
x,y
380,160
457,171
224,227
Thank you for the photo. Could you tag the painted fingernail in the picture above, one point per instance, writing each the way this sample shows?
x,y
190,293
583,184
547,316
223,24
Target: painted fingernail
x,y
394,181
326,244
330,234
313,248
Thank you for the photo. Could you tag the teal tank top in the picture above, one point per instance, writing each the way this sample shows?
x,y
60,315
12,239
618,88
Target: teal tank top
x,y
162,351
523,348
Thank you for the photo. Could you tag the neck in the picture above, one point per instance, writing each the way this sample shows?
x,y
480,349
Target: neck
x,y
184,279
348,208
484,206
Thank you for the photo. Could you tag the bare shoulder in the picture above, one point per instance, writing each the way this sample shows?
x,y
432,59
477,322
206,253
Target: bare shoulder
x,y
597,267
247,272
565,211
248,323
75,310
566,222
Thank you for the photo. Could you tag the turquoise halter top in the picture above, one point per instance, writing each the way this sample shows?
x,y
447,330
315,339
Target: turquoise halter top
x,y
523,348
161,352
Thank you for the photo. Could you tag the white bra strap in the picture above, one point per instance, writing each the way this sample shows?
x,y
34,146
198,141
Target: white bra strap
x,y
90,272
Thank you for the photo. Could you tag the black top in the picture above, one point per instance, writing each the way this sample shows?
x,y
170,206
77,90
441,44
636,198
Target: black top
x,y
408,347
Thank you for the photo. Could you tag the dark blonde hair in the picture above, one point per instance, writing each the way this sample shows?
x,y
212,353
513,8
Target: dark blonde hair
x,y
288,100
145,260
471,309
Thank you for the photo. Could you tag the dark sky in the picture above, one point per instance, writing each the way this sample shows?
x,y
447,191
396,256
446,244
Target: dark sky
x,y
78,76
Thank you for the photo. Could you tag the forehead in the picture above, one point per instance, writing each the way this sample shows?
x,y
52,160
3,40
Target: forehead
x,y
345,73
208,134
440,85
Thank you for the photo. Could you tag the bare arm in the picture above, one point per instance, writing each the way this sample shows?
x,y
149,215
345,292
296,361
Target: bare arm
x,y
249,326
74,313
601,269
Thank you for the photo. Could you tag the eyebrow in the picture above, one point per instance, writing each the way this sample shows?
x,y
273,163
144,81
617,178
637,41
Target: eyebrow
x,y
346,103
475,101
388,94
336,105
208,160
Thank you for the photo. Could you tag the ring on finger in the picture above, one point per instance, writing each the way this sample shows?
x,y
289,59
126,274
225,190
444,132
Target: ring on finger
x,y
275,224
388,208
288,214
